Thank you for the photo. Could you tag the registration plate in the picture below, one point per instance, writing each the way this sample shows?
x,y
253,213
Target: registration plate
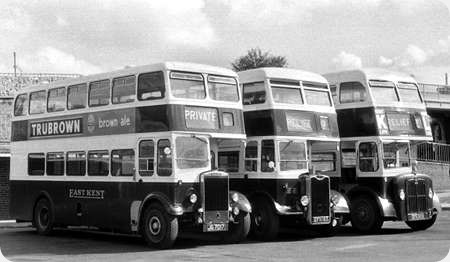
x,y
214,227
417,216
321,219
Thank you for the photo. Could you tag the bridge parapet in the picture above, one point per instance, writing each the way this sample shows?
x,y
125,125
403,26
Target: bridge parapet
x,y
436,96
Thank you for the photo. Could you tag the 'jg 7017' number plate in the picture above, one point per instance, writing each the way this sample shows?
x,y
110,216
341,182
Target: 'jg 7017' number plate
x,y
216,227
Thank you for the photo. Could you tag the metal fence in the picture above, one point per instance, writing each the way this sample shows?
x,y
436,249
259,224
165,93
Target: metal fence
x,y
433,152
436,96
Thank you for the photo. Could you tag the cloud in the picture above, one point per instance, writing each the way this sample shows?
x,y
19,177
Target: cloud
x,y
50,59
346,60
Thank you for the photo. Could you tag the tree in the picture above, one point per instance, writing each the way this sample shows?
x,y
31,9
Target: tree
x,y
256,58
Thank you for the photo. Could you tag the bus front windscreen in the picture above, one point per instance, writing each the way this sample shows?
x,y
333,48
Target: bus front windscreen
x,y
191,152
396,154
292,155
317,97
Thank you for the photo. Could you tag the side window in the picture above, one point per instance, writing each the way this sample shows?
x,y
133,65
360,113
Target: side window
x,y
351,92
36,164
37,102
122,162
146,158
251,156
229,161
98,163
164,158
56,99
267,156
76,96
151,86
21,105
99,93
55,164
254,93
334,93
368,157
123,89
76,163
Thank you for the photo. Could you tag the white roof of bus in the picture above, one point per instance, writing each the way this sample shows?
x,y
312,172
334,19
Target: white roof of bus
x,y
179,66
368,74
259,74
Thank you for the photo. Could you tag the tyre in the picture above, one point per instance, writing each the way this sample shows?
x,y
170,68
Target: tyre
x,y
422,224
238,230
365,215
159,228
43,217
264,221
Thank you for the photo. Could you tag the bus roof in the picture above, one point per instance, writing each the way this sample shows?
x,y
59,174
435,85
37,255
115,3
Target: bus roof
x,y
259,74
368,74
179,66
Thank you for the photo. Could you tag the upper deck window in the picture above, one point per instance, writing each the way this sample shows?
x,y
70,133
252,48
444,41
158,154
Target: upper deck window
x,y
285,91
76,96
21,105
223,88
383,91
254,93
334,93
351,92
151,86
99,93
187,85
317,97
409,93
37,102
123,89
56,99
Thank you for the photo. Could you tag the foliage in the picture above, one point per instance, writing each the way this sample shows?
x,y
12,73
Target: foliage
x,y
256,58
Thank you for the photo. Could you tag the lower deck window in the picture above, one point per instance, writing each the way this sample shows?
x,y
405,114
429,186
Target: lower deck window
x,y
251,156
55,164
98,163
122,162
36,164
76,163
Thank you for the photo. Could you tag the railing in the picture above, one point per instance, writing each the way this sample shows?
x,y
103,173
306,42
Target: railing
x,y
437,96
433,152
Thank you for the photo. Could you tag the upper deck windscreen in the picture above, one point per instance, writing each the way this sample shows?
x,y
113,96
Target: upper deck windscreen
x,y
383,91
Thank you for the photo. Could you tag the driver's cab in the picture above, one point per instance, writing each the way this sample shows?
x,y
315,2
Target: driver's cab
x,y
376,157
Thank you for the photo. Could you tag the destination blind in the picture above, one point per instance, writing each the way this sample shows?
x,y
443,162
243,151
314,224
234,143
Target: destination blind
x,y
56,127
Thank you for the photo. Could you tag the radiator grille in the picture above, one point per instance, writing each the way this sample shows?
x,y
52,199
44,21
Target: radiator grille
x,y
416,195
216,193
320,196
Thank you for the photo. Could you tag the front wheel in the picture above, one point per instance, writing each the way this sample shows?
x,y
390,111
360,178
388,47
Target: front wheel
x,y
43,218
159,228
238,229
265,222
365,215
422,224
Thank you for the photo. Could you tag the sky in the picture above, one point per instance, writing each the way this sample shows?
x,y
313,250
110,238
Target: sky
x,y
92,36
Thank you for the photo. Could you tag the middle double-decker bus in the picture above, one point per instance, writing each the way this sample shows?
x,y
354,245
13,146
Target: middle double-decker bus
x,y
382,118
132,150
286,112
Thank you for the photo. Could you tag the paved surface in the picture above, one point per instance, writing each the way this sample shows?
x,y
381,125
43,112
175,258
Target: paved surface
x,y
395,243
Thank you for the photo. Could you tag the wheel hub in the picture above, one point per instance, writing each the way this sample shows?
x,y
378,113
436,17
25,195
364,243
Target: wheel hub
x,y
155,225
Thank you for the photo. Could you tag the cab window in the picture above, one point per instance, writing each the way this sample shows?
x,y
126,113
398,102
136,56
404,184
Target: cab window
x,y
251,156
368,157
267,155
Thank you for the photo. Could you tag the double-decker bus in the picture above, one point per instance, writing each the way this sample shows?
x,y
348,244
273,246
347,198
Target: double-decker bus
x,y
132,151
286,112
382,119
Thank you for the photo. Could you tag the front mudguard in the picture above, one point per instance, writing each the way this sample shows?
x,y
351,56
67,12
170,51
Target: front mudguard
x,y
341,206
436,204
243,204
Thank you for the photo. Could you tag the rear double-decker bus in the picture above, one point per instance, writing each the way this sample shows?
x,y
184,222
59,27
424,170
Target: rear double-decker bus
x,y
382,119
285,115
130,151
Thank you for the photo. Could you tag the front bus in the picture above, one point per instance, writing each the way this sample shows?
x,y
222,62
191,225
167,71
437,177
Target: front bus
x,y
131,151
382,119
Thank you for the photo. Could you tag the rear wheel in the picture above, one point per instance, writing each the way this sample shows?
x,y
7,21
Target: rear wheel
x,y
43,217
159,228
264,221
365,215
238,229
422,224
